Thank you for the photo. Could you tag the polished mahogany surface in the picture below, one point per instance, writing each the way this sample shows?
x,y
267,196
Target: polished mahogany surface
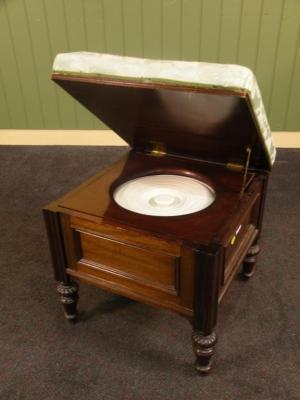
x,y
94,198
181,263
206,123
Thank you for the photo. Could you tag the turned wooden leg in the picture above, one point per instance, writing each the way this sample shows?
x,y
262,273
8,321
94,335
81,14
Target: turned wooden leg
x,y
250,260
206,294
69,296
203,346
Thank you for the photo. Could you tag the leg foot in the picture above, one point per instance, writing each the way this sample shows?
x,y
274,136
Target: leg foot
x,y
203,346
249,262
68,297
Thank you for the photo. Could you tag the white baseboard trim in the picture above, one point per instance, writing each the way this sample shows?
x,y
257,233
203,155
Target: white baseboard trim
x,y
100,138
60,137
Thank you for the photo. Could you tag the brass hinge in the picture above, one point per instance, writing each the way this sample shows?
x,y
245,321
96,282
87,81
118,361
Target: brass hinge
x,y
158,149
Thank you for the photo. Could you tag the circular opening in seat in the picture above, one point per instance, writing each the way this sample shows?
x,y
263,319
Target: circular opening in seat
x,y
164,195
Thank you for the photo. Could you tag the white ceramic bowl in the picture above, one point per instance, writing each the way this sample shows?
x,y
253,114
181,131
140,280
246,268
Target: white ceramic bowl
x,y
164,195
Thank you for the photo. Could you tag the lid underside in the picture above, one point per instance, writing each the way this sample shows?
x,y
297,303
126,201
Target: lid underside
x,y
203,116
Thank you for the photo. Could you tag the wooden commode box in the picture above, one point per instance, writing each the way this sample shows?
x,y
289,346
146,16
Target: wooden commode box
x,y
188,125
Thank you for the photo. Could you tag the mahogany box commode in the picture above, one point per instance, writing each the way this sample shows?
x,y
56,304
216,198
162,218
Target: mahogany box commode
x,y
197,120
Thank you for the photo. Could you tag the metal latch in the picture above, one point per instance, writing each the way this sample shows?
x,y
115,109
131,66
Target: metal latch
x,y
234,166
240,167
158,149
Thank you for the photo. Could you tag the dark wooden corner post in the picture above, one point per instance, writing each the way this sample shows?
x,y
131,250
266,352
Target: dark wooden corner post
x,y
251,256
67,289
207,282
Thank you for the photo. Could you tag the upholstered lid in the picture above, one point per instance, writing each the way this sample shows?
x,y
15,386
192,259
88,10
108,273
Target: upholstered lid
x,y
202,110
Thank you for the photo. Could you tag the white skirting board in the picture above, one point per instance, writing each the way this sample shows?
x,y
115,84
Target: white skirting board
x,y
100,138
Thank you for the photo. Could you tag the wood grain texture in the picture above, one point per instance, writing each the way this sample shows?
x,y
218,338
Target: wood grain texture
x,y
152,261
181,264
156,269
139,116
261,34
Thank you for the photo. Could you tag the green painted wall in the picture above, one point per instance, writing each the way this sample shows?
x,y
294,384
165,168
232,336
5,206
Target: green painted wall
x,y
261,34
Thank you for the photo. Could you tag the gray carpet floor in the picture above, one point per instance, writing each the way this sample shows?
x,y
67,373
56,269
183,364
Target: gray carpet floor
x,y
122,349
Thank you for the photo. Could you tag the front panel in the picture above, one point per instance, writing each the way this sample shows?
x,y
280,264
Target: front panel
x,y
142,267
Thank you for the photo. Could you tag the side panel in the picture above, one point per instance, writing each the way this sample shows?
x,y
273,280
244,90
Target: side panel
x,y
243,230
